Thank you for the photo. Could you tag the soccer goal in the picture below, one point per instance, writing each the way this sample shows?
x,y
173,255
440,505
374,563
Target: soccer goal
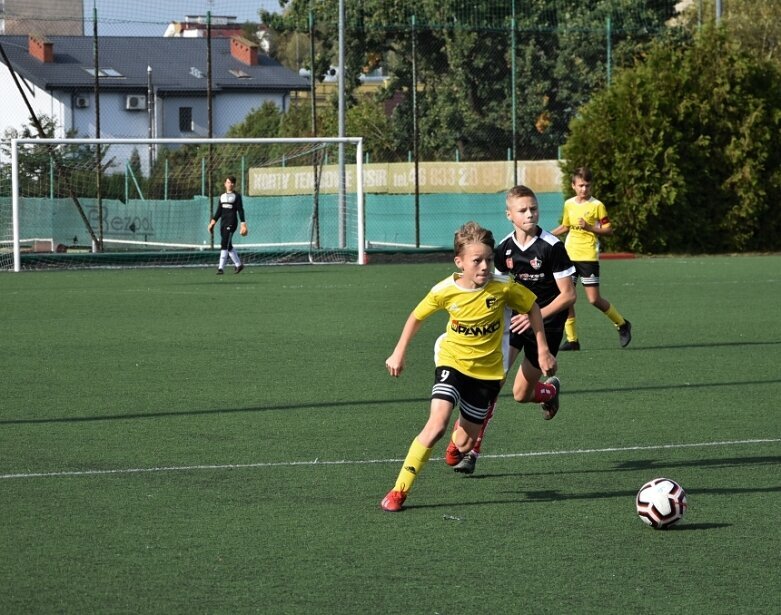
x,y
79,203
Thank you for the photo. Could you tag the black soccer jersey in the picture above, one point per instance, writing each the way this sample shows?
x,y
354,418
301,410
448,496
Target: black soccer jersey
x,y
537,266
230,210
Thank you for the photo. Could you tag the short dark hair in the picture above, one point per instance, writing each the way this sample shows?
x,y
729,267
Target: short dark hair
x,y
231,178
583,173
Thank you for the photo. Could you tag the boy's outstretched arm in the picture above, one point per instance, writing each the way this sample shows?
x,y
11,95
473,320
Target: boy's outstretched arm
x,y
395,362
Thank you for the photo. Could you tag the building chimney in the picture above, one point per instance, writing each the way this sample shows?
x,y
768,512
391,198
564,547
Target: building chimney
x,y
244,50
40,48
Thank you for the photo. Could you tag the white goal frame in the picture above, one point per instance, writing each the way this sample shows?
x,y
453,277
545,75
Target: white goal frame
x,y
358,191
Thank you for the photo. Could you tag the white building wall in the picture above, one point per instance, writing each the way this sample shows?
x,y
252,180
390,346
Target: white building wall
x,y
167,110
232,109
14,113
116,121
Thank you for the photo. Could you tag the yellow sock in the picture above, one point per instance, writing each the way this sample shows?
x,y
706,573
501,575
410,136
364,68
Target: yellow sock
x,y
612,314
571,330
416,458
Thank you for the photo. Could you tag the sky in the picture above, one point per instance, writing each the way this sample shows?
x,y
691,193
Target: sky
x,y
150,17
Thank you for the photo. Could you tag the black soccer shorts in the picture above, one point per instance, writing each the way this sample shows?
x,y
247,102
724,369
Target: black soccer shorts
x,y
471,395
587,271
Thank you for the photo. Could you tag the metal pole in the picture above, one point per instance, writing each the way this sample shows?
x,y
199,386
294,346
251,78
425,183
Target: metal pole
x,y
312,80
609,60
415,152
15,204
98,169
513,87
361,204
150,112
209,115
209,72
317,154
342,206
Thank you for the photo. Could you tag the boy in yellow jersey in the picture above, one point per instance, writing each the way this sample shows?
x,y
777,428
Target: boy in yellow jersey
x,y
469,361
585,220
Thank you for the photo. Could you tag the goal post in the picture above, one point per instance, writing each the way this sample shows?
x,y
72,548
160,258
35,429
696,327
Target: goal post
x,y
81,202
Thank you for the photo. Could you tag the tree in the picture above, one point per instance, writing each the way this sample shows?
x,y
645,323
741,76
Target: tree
x,y
68,165
263,121
683,148
135,163
368,119
756,23
463,57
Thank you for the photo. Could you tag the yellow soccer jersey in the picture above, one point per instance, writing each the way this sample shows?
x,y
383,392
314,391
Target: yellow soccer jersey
x,y
472,342
583,245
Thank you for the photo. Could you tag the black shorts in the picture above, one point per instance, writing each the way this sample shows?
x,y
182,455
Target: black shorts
x,y
587,271
472,395
526,342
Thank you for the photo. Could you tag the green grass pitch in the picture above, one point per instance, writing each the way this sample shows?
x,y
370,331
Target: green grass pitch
x,y
175,442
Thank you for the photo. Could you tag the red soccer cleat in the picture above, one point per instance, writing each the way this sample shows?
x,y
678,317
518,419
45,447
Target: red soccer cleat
x,y
551,407
394,501
452,455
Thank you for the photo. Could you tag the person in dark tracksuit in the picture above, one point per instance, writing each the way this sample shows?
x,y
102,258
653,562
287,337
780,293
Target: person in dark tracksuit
x,y
230,210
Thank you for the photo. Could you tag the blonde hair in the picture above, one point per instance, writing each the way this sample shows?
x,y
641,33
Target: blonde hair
x,y
470,233
520,191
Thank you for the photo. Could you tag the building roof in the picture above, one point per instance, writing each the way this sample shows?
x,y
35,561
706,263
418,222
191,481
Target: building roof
x,y
179,65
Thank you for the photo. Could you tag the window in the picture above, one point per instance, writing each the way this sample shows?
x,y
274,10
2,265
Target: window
x,y
105,73
186,119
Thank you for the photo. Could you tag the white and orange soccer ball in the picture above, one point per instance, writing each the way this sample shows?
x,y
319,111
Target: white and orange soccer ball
x,y
661,502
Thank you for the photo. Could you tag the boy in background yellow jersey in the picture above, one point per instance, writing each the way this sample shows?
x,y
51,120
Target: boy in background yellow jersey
x,y
585,220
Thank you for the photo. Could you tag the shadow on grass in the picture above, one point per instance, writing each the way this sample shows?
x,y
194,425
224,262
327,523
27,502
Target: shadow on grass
x,y
644,464
364,403
190,413
687,527
660,467
652,464
704,345
548,496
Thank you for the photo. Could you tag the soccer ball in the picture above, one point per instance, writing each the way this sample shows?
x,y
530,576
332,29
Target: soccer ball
x,y
661,503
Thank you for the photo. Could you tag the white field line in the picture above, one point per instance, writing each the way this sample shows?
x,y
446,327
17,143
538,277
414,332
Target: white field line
x,y
319,462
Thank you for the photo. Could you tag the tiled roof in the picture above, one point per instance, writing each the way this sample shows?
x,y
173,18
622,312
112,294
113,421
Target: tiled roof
x,y
176,65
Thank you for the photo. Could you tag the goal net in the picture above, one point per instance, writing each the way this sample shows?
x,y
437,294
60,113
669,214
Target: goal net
x,y
77,203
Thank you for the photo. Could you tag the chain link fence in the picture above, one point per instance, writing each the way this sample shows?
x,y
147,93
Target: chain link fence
x,y
487,87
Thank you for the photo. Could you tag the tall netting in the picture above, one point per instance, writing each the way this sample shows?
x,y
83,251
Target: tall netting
x,y
144,202
456,101
493,79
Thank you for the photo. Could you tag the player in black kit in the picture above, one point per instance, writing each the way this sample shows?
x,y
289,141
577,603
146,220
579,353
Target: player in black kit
x,y
539,261
230,210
